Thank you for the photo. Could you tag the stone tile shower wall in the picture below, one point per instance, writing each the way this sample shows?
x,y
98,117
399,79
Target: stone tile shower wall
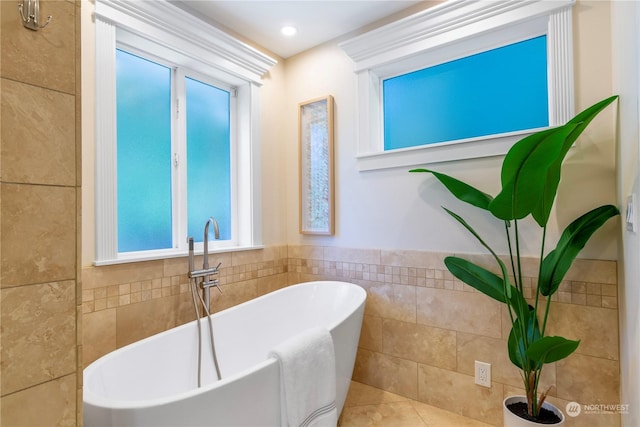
x,y
41,381
423,330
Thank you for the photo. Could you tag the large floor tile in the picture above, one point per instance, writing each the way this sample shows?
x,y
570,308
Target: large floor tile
x,y
371,406
362,394
396,414
436,417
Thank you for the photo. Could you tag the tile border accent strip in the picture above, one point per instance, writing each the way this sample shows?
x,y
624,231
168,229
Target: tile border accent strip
x,y
578,292
117,295
603,295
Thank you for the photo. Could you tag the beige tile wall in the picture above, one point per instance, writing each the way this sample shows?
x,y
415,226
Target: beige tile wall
x,y
39,217
124,303
423,330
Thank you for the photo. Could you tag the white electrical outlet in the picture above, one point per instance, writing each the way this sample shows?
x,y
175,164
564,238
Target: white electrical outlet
x,y
483,374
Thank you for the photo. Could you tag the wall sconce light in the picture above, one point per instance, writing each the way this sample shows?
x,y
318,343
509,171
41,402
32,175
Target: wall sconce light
x,y
32,17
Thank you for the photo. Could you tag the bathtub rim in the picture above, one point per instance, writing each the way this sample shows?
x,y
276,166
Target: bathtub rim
x,y
96,400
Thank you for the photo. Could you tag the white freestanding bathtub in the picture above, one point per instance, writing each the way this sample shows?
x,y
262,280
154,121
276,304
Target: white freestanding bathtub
x,y
153,382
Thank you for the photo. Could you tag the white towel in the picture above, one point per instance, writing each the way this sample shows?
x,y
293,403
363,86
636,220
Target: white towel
x,y
307,379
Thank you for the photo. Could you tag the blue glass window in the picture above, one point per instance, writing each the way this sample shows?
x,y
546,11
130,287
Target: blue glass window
x,y
497,91
143,92
208,158
145,169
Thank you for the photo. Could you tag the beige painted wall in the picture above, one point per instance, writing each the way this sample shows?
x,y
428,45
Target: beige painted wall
x,y
393,209
387,209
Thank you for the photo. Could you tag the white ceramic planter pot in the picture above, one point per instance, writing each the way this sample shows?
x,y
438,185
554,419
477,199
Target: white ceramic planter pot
x,y
512,420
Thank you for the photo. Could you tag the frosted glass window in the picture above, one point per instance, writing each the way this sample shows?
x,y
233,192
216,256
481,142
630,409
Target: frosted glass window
x,y
493,92
208,158
143,93
150,195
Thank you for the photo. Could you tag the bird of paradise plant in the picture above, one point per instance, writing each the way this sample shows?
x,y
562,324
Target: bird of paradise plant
x,y
530,176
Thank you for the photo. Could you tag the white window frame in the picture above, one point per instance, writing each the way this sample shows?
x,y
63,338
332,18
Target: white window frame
x,y
443,33
167,32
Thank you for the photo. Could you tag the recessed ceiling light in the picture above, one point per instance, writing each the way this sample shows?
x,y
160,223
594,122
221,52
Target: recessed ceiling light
x,y
288,30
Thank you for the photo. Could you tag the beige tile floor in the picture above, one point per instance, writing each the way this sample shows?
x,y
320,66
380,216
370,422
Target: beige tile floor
x,y
370,406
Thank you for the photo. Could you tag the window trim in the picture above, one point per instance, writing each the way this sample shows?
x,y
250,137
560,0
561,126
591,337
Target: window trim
x,y
443,33
209,52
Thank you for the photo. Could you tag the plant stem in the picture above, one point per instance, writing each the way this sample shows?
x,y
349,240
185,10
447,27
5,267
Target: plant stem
x,y
513,266
522,323
536,409
513,270
546,309
525,368
519,278
544,235
546,315
533,390
538,371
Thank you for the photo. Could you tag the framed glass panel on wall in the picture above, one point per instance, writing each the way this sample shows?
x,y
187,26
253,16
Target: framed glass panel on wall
x,y
316,166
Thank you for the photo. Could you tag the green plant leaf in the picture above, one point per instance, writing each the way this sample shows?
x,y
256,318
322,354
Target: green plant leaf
x,y
503,268
461,190
515,347
556,264
519,342
551,349
518,304
477,277
471,230
524,172
542,210
588,114
486,282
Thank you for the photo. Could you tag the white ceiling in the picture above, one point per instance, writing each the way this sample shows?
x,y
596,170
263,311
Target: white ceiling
x,y
316,21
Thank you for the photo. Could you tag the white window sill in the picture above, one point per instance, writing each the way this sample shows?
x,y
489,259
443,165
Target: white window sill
x,y
486,146
166,254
